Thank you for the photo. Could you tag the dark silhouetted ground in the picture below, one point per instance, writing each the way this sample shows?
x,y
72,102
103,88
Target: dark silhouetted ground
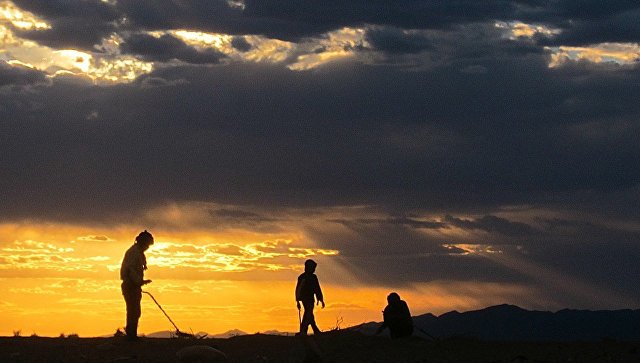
x,y
337,346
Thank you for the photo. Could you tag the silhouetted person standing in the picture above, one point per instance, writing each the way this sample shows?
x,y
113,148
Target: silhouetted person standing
x,y
396,317
307,289
132,276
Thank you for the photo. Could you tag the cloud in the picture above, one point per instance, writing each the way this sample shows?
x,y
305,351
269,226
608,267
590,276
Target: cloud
x,y
81,24
86,23
591,22
411,222
267,134
240,215
19,75
215,16
393,40
167,48
493,224
95,238
418,140
241,44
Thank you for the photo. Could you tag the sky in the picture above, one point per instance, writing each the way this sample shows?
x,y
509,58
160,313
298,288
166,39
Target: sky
x,y
462,153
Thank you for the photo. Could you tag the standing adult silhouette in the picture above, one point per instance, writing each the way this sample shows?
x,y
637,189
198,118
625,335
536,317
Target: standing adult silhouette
x,y
307,290
132,270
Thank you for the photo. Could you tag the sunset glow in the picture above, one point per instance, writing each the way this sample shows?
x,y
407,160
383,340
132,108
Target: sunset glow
x,y
463,154
20,19
64,279
210,280
628,53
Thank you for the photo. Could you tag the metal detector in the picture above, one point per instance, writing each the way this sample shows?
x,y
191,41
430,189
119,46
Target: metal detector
x,y
178,333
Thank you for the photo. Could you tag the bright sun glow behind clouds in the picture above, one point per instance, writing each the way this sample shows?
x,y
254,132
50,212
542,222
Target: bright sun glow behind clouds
x,y
72,267
338,44
201,270
19,18
620,53
522,30
108,65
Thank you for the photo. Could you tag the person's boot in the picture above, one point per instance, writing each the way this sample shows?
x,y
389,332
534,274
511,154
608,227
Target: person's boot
x,y
315,328
132,333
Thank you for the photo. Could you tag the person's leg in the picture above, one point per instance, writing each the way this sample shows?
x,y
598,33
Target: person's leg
x,y
132,299
307,318
315,328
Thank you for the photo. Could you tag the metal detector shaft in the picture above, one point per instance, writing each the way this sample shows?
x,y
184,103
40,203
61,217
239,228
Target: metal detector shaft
x,y
164,312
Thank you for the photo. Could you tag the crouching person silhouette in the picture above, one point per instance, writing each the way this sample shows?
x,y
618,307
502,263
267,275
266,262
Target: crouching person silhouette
x,y
307,289
396,317
132,276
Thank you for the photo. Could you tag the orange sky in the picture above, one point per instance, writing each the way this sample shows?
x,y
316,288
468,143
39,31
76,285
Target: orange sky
x,y
64,279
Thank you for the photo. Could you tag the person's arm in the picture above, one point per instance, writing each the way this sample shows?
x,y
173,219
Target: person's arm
x,y
406,311
383,326
298,287
318,292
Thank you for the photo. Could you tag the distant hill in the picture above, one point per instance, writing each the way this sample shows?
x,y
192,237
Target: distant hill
x,y
225,335
511,323
170,334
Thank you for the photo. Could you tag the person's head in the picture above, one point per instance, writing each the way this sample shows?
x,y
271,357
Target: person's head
x,y
310,266
144,240
393,298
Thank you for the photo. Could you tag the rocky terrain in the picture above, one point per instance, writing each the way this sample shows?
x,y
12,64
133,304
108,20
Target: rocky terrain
x,y
335,346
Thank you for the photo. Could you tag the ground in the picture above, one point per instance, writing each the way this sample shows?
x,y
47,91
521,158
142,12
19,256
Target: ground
x,y
337,346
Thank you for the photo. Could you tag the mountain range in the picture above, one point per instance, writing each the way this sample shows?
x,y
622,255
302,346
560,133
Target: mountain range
x,y
225,335
512,323
507,323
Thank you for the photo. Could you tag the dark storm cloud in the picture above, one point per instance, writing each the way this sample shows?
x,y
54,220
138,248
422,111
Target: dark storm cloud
x,y
464,43
569,260
393,40
74,24
411,222
70,33
19,76
492,224
91,9
439,139
167,48
476,123
395,255
622,27
603,255
213,16
241,44
84,23
292,20
319,17
238,216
